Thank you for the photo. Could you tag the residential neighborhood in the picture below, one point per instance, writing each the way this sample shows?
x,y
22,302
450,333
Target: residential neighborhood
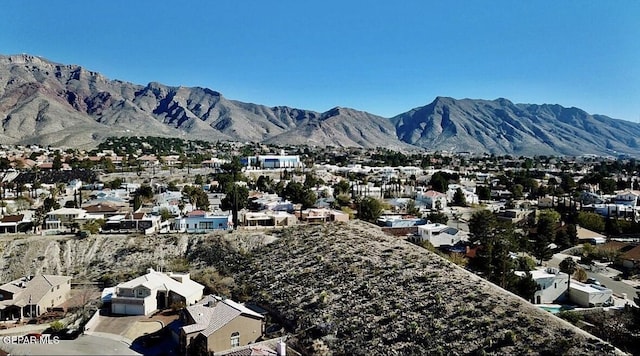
x,y
563,233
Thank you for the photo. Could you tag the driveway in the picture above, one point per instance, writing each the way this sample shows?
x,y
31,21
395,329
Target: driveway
x,y
117,325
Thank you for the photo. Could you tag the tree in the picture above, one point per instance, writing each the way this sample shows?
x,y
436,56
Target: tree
x,y
526,287
437,217
369,209
545,234
484,192
412,208
568,266
342,187
482,229
236,198
165,214
581,275
459,198
591,221
57,162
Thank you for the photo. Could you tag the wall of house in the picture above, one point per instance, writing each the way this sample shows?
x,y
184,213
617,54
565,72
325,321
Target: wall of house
x,y
250,330
55,297
551,289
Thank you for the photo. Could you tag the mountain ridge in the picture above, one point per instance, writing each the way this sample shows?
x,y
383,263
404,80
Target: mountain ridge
x,y
49,103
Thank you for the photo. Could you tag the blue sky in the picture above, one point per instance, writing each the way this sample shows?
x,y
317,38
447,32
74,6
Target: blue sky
x,y
379,56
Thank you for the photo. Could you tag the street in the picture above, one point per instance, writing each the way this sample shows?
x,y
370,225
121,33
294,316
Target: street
x,y
604,277
83,345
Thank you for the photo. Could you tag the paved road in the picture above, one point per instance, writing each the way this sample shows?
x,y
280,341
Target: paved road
x,y
618,287
83,345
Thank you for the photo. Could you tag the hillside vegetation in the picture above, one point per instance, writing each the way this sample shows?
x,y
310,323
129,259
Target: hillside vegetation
x,y
342,288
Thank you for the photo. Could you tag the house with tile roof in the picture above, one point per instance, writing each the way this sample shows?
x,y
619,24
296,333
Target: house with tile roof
x,y
153,291
32,296
219,324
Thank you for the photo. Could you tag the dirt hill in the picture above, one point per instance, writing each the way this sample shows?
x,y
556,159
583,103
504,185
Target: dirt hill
x,y
341,289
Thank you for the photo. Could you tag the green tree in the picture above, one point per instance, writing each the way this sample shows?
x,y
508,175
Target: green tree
x,y
165,214
459,198
412,208
526,287
546,228
484,192
437,217
236,198
591,221
57,162
342,187
568,266
369,209
482,229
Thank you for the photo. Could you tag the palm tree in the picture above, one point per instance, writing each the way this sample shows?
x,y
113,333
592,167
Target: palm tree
x,y
568,266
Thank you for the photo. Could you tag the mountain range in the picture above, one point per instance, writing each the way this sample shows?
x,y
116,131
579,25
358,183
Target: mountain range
x,y
42,102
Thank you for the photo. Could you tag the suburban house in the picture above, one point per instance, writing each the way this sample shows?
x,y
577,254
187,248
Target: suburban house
x,y
63,217
155,290
631,257
588,236
628,197
220,324
400,221
105,209
590,295
268,218
11,223
439,235
322,215
32,296
432,199
141,222
200,221
516,216
552,284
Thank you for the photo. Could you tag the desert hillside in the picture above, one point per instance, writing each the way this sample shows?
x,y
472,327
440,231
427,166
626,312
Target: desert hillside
x,y
342,288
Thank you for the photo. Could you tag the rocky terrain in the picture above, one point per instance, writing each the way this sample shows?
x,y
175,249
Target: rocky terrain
x,y
500,126
343,288
56,104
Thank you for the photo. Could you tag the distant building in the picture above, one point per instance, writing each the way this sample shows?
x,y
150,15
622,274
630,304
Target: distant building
x,y
200,221
440,235
272,161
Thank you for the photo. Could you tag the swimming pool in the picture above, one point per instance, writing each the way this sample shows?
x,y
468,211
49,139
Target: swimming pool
x,y
555,308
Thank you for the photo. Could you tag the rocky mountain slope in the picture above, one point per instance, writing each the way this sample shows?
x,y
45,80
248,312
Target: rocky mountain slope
x,y
500,127
345,288
54,104
49,103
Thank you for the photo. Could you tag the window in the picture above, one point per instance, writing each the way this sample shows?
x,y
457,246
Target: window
x,y
235,339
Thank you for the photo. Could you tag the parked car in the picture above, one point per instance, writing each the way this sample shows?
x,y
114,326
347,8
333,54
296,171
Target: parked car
x,y
593,281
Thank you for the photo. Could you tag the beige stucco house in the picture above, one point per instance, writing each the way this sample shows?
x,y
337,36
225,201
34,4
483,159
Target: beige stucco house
x,y
219,324
30,297
155,290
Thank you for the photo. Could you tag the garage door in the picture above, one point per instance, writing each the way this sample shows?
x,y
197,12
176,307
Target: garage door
x,y
128,309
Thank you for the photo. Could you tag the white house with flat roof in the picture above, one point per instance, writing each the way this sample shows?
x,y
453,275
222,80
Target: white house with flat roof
x,y
552,284
440,235
590,295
